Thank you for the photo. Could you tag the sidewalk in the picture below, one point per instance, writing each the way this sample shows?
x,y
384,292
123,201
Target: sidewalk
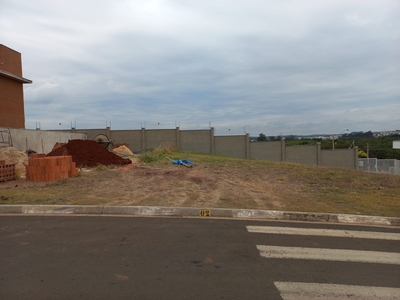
x,y
196,212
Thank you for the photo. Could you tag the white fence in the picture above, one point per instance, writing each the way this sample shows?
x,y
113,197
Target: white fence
x,y
387,166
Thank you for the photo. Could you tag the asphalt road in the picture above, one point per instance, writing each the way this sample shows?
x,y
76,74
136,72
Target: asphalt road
x,y
46,257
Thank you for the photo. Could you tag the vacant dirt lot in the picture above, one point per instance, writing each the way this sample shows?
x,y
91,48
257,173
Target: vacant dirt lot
x,y
219,182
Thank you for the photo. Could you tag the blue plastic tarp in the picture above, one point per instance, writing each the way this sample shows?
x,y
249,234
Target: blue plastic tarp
x,y
182,162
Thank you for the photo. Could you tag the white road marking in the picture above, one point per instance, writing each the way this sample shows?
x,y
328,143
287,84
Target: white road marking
x,y
312,291
329,254
325,232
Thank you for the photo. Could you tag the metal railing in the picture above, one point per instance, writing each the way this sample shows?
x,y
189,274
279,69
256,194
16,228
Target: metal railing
x,y
386,166
5,138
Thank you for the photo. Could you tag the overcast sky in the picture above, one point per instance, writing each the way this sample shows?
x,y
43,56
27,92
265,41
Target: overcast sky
x,y
257,66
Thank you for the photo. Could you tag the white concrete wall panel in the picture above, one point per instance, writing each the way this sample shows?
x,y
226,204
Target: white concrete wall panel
x,y
233,146
195,141
154,138
302,154
266,150
343,158
132,137
39,140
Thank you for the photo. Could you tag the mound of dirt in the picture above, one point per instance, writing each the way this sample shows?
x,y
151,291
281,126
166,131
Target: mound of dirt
x,y
116,145
14,156
87,153
122,150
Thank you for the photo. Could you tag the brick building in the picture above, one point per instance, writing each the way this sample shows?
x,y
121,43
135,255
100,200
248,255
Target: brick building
x,y
12,112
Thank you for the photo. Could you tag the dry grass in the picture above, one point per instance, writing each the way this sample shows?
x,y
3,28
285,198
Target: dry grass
x,y
222,182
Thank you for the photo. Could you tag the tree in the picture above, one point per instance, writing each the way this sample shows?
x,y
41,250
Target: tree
x,y
368,134
291,137
262,137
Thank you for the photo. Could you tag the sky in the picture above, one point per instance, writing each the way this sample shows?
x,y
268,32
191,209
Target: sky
x,y
256,66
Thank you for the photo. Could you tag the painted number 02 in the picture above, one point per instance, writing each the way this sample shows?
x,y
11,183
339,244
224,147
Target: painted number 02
x,y
205,213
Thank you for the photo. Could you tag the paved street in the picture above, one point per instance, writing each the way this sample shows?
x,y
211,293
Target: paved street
x,y
68,257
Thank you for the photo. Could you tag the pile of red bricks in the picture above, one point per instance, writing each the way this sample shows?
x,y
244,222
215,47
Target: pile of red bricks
x,y
7,172
42,168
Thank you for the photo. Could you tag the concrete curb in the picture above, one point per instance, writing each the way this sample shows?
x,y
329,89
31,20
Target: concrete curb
x,y
196,212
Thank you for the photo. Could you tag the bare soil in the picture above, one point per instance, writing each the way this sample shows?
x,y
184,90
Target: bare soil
x,y
168,186
219,182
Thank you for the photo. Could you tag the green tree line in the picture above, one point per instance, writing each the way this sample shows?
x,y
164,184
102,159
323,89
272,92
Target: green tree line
x,y
379,147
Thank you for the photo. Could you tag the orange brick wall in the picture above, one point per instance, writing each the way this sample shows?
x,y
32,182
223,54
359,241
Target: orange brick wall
x,y
10,60
11,103
12,112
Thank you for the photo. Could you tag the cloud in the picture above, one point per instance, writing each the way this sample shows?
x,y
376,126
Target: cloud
x,y
264,66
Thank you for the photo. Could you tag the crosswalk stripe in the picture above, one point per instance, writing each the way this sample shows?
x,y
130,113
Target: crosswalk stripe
x,y
325,232
329,254
312,291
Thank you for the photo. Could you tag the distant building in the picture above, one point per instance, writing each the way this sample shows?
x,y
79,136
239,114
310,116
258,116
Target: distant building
x,y
12,113
386,133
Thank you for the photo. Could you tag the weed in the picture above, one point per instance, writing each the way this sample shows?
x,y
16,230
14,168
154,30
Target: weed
x,y
100,167
157,154
147,158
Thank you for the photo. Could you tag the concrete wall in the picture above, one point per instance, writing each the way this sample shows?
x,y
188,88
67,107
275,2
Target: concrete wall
x,y
156,137
132,137
266,150
345,158
302,154
196,141
40,140
92,133
204,141
233,146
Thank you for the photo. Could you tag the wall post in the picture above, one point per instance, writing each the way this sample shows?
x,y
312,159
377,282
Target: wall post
x,y
356,158
283,149
143,138
247,145
178,138
108,132
212,140
319,156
